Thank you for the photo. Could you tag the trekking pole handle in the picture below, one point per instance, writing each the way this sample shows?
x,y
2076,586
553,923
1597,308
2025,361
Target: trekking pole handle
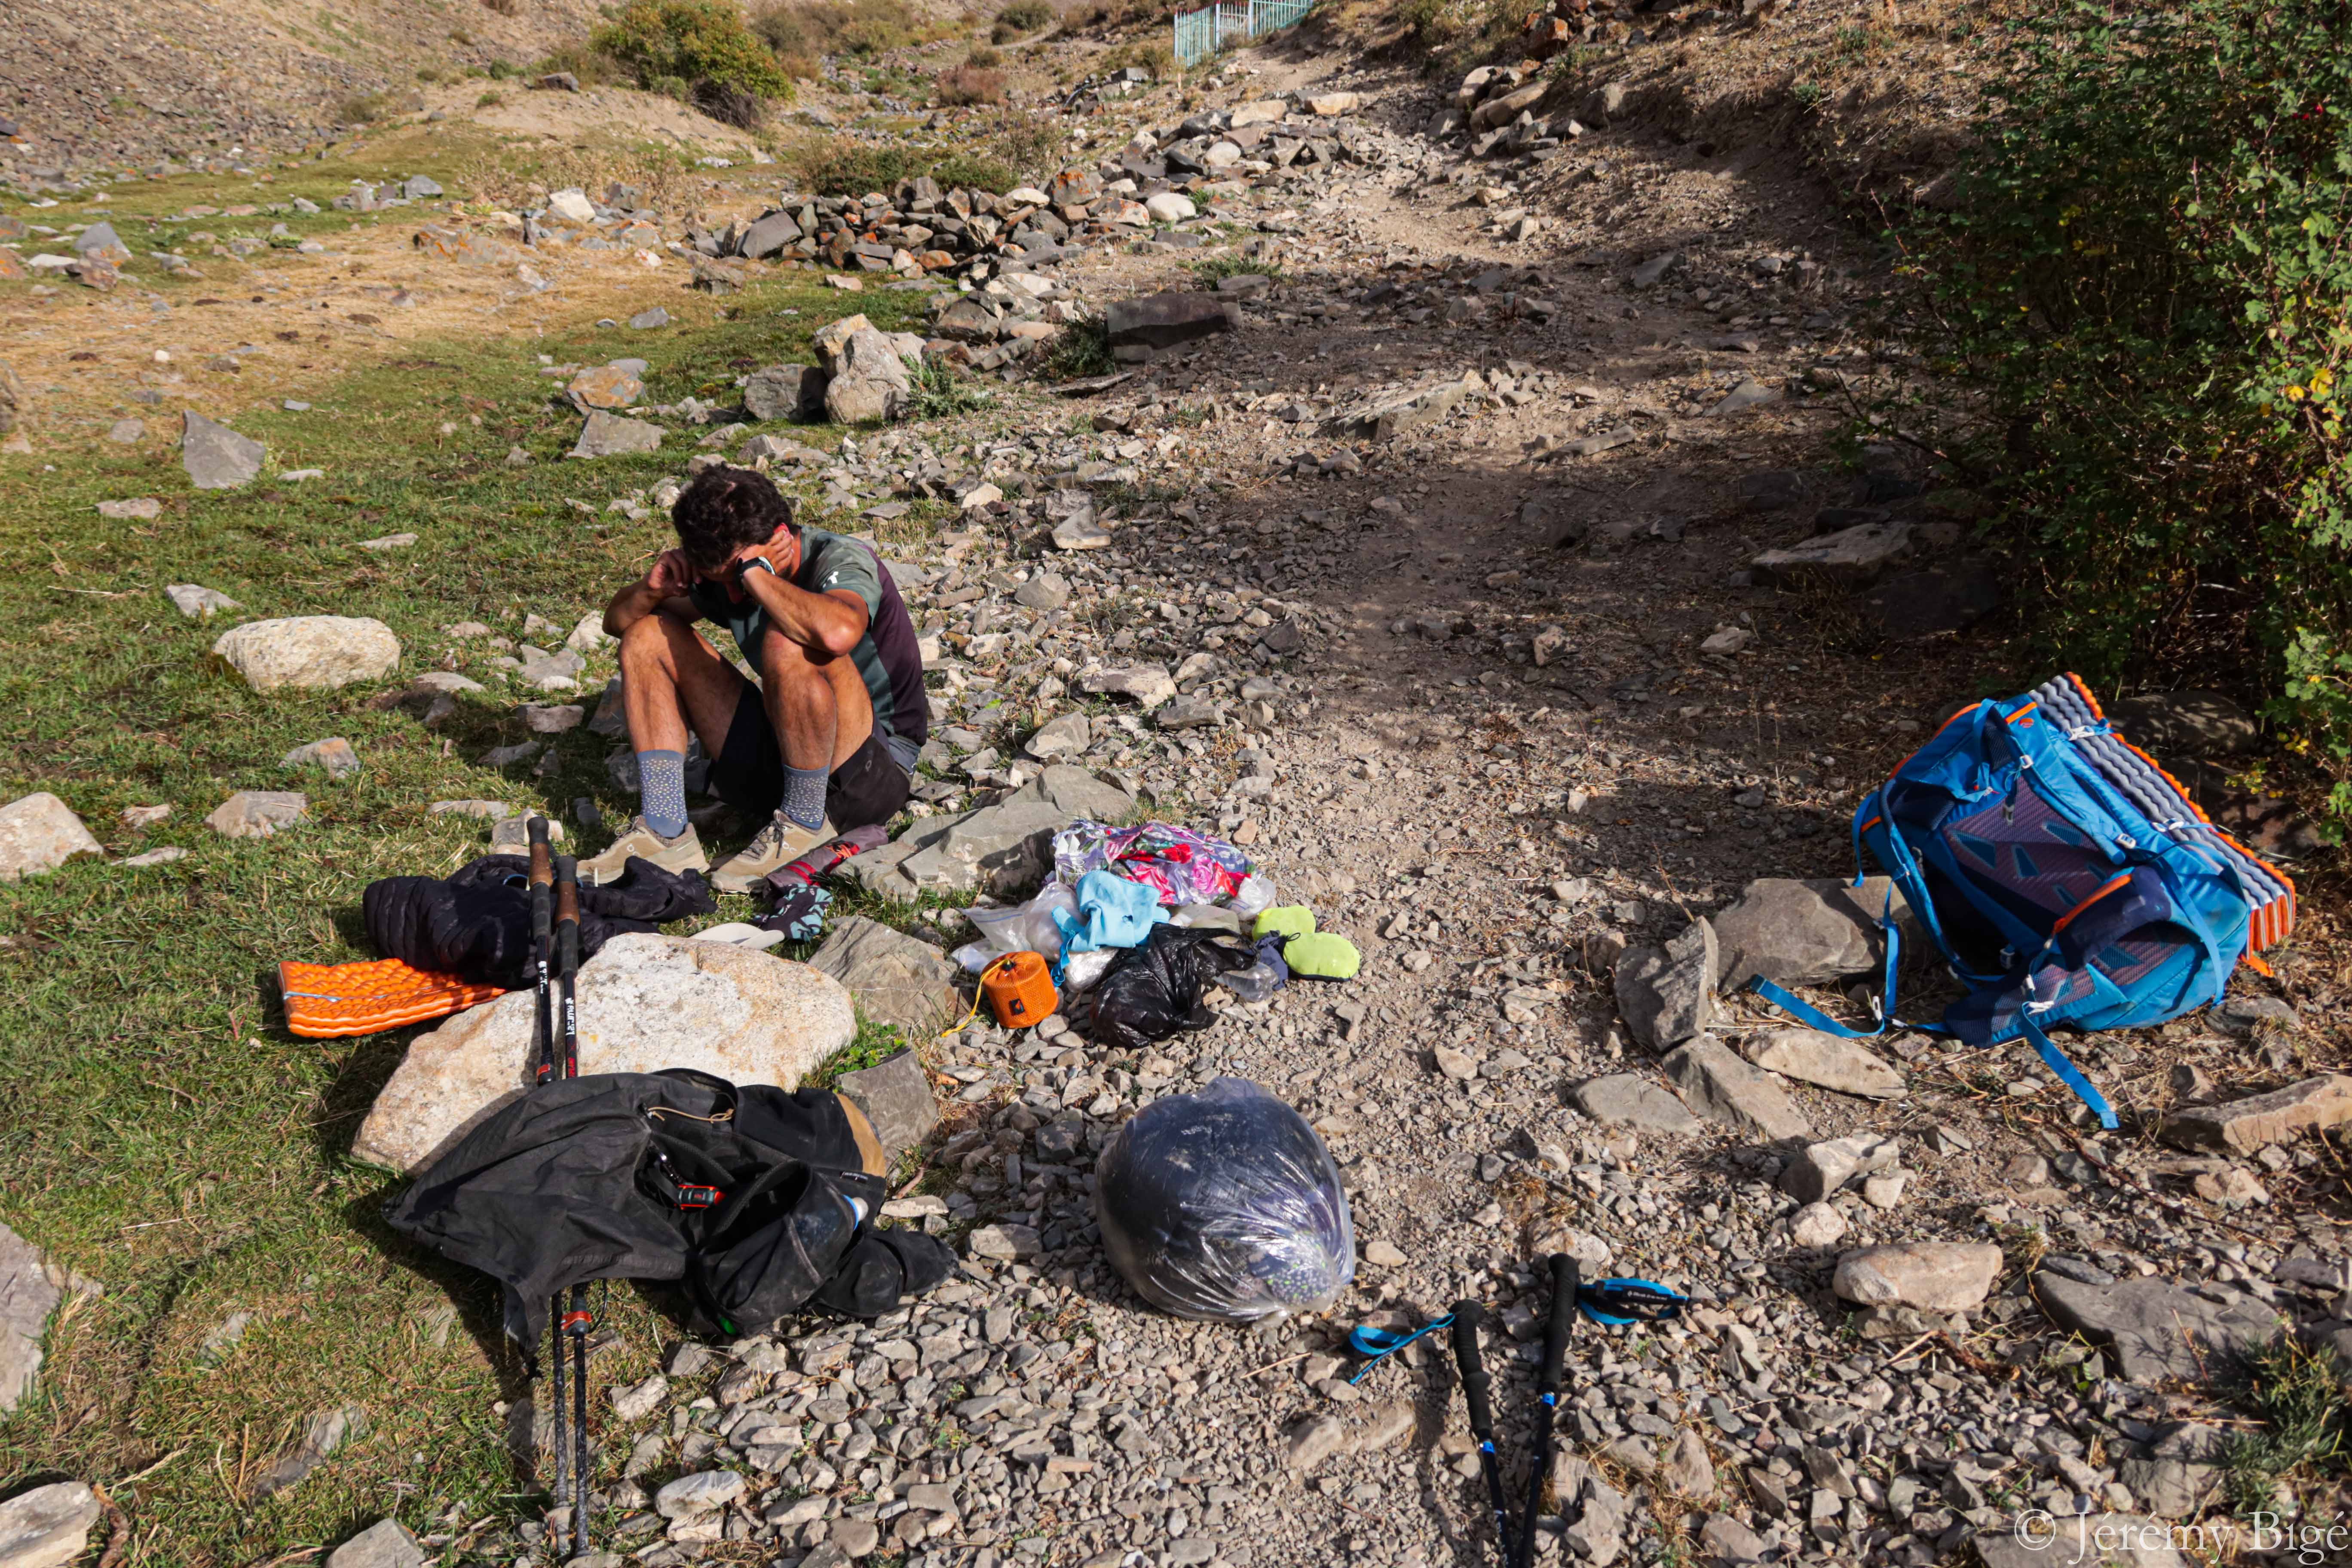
x,y
1475,1385
1565,1284
542,874
567,914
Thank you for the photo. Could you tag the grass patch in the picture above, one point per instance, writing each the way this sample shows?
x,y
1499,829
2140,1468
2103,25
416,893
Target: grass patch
x,y
871,1044
862,28
940,392
1083,348
1211,270
2295,1393
171,1140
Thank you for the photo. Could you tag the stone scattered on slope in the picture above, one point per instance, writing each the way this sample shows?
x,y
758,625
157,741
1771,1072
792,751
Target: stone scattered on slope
x,y
258,813
1808,1055
40,833
1717,1085
646,1002
896,1095
605,434
1933,1276
215,457
199,602
2244,1126
1629,1100
48,1525
1850,556
2156,1330
893,977
336,754
323,1435
1819,1170
1667,995
2085,1541
315,653
386,1544
604,386
1806,933
31,1289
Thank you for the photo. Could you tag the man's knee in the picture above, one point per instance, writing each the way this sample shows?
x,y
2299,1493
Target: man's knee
x,y
781,659
646,638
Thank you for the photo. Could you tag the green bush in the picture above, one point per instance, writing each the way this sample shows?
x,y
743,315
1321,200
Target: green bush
x,y
2147,276
701,41
847,169
979,57
812,28
1020,19
975,172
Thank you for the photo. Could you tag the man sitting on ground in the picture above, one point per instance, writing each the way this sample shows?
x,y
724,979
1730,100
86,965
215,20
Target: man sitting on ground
x,y
824,742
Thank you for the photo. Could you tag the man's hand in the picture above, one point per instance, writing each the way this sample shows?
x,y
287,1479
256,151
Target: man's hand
x,y
672,576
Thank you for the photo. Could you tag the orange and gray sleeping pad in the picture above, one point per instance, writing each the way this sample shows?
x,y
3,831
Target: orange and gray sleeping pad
x,y
329,1000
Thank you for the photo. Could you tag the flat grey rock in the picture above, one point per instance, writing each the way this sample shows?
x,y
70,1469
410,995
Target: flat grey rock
x,y
1853,554
323,1435
1825,1061
1629,1100
2083,1541
48,1525
2158,1329
1165,320
258,813
1806,933
605,434
894,978
215,457
199,602
896,1095
386,1544
1717,1085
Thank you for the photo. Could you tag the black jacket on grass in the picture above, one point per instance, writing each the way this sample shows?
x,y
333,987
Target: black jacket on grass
x,y
761,1201
475,924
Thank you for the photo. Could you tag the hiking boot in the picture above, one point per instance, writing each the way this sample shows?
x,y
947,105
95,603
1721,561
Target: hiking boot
x,y
779,843
683,853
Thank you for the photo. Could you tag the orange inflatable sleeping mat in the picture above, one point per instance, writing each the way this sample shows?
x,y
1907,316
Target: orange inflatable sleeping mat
x,y
327,1001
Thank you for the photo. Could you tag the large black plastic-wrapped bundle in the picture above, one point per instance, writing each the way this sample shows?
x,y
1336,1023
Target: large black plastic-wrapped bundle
x,y
1225,1205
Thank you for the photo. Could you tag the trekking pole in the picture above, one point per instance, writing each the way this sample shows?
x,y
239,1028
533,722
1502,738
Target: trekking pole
x,y
575,1321
543,890
1475,1392
543,881
1564,1283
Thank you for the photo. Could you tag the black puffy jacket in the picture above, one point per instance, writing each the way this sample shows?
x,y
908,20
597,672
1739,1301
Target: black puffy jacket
x,y
475,924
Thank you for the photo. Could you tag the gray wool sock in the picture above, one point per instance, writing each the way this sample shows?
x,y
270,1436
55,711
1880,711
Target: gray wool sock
x,y
661,791
804,795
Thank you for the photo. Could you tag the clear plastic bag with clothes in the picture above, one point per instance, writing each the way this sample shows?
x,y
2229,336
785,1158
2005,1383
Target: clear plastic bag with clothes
x,y
1018,928
1225,1205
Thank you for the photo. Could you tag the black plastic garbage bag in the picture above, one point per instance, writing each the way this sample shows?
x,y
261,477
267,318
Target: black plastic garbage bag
x,y
1152,989
1225,1204
475,923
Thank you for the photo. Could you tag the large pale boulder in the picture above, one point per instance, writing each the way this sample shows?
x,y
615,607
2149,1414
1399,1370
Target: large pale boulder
x,y
40,833
309,652
646,1002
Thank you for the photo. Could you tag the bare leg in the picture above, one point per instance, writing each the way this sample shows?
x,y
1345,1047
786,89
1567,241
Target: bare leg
x,y
671,676
817,703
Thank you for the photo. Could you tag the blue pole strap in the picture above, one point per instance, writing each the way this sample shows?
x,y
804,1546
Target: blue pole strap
x,y
2068,1073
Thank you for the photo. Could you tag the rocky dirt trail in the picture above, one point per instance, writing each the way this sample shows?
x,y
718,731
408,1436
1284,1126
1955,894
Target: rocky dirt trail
x,y
1449,560
1502,693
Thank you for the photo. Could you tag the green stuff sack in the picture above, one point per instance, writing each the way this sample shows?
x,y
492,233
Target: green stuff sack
x,y
1322,956
1284,920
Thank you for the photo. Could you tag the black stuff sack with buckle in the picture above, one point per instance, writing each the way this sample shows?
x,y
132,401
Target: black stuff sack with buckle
x,y
759,1201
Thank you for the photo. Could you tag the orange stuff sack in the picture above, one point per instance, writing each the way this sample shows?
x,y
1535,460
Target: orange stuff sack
x,y
327,1001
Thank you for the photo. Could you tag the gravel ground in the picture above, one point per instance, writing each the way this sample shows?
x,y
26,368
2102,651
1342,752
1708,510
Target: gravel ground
x,y
1467,691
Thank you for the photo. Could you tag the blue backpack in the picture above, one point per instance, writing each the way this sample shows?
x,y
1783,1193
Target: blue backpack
x,y
2065,877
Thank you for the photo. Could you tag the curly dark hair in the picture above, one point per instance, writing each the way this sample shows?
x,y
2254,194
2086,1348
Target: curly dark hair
x,y
726,508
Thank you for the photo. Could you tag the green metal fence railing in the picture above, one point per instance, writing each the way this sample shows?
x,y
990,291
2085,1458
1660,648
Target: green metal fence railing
x,y
1202,32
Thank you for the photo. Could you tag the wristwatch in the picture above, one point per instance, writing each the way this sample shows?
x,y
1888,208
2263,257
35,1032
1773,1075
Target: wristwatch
x,y
762,562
